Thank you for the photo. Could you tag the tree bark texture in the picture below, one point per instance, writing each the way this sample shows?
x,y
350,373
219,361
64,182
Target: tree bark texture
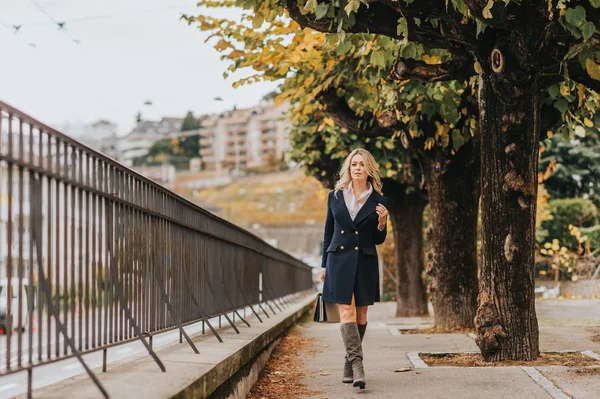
x,y
453,189
509,121
406,213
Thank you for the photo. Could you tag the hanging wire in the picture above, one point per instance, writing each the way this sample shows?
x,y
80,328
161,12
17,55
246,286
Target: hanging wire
x,y
114,15
16,29
60,25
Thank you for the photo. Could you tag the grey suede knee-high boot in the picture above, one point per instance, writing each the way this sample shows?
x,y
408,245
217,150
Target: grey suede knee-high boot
x,y
351,338
348,377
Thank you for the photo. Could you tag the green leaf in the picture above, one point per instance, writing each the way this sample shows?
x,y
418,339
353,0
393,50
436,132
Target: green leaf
x,y
343,48
588,30
575,49
480,28
409,50
457,139
389,145
561,105
257,21
553,92
322,10
575,16
595,3
402,29
378,58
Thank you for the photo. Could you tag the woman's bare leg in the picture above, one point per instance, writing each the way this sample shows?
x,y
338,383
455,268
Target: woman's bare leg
x,y
348,312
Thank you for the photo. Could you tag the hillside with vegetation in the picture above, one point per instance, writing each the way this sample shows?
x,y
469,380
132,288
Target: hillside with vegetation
x,y
274,199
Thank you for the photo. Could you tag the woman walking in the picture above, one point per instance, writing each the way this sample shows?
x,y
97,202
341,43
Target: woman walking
x,y
356,223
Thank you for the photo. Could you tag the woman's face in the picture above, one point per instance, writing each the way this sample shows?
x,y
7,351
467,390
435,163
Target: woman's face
x,y
357,169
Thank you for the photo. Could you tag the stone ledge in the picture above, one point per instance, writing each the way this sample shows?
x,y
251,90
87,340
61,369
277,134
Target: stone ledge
x,y
188,375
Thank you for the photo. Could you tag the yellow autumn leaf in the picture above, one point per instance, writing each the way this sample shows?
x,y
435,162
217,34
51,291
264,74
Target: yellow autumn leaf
x,y
431,59
388,165
221,45
329,121
588,122
442,130
581,94
390,173
477,67
592,69
429,143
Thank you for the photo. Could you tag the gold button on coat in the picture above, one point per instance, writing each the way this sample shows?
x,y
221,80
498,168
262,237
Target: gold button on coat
x,y
356,232
342,247
356,248
342,231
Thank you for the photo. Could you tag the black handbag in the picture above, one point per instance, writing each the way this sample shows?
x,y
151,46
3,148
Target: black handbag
x,y
326,312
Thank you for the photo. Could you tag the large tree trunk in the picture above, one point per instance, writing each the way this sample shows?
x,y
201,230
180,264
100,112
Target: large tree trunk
x,y
453,189
509,120
406,213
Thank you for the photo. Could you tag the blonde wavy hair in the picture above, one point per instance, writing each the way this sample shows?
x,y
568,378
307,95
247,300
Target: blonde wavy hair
x,y
371,167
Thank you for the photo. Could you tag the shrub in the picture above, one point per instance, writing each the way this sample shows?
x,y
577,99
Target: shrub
x,y
569,212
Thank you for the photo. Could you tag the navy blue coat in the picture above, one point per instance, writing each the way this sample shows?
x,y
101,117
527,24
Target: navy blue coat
x,y
349,252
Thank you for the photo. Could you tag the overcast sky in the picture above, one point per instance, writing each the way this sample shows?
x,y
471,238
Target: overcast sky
x,y
129,51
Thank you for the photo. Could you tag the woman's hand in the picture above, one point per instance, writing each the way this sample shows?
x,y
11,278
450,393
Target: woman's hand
x,y
321,276
382,212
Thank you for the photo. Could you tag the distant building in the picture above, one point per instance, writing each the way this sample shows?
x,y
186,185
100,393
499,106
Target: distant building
x,y
100,136
140,139
244,138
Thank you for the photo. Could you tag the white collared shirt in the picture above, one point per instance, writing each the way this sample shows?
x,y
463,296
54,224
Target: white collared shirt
x,y
353,204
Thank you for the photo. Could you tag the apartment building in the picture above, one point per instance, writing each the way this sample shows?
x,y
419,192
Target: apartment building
x,y
140,139
244,138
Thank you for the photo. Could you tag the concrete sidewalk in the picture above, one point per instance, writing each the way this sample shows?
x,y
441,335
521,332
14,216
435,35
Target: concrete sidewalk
x,y
190,375
564,325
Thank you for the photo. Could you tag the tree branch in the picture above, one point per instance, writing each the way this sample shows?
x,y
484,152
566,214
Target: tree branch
x,y
418,9
407,68
337,108
500,14
576,73
580,75
376,19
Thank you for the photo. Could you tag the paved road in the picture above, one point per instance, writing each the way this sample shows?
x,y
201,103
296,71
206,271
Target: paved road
x,y
564,325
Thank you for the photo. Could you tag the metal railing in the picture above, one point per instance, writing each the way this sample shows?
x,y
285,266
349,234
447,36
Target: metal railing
x,y
94,255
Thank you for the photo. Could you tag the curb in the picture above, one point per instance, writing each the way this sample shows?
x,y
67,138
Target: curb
x,y
221,374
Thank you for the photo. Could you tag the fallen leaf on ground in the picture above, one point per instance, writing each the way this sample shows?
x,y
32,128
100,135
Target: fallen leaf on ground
x,y
285,369
402,369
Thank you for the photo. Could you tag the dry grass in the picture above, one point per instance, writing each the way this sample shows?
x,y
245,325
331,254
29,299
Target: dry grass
x,y
282,375
570,359
281,198
591,371
438,330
